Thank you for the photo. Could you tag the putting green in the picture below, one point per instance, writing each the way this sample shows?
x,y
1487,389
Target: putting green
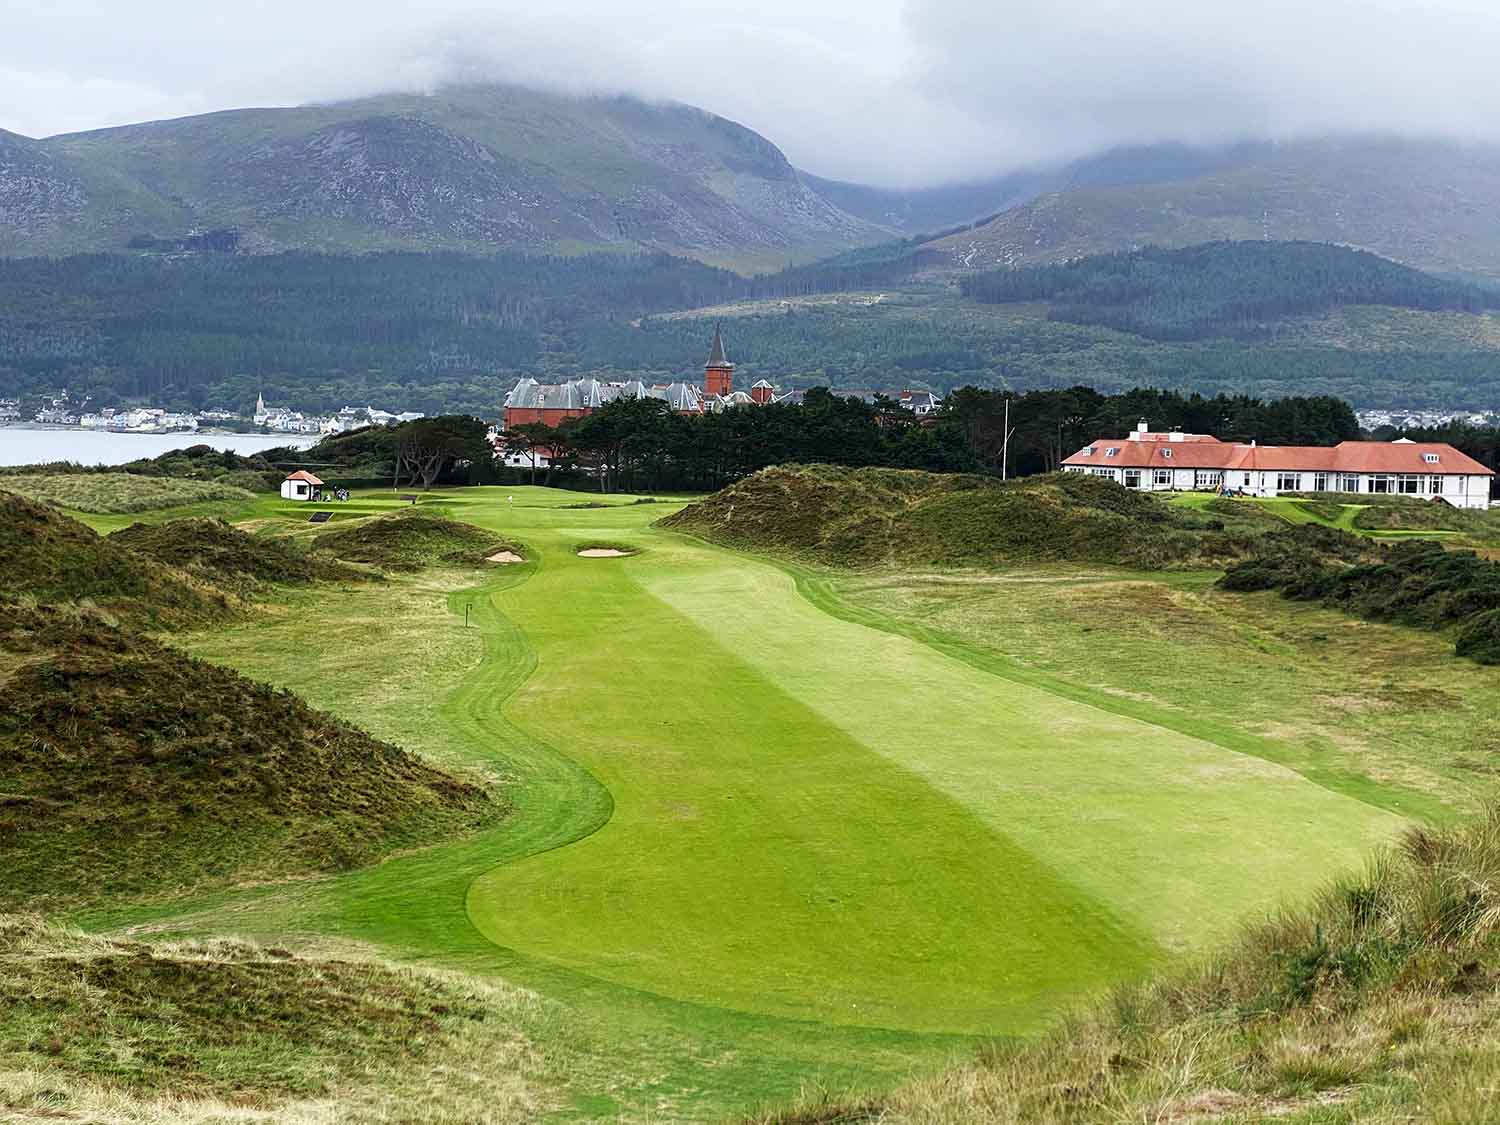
x,y
819,820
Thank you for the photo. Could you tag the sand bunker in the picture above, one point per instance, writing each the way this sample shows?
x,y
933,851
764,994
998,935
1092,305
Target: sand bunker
x,y
506,557
602,553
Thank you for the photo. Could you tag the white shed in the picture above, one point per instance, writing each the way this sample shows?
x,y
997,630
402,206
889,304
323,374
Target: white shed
x,y
301,486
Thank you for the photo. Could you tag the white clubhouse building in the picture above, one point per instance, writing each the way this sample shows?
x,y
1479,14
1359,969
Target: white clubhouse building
x,y
1163,462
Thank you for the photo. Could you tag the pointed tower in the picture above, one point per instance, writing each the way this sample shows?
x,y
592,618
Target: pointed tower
x,y
718,372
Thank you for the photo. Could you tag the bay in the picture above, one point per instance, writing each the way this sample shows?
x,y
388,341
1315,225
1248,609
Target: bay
x,y
22,445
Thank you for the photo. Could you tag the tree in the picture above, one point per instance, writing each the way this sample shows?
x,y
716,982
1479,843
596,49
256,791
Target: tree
x,y
530,438
429,445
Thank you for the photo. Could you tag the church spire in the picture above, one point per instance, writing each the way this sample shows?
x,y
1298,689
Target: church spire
x,y
716,356
718,372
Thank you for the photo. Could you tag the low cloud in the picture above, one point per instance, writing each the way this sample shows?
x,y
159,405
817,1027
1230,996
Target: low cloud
x,y
885,91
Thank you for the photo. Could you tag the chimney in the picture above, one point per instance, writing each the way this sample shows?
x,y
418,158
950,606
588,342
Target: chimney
x,y
1176,435
1141,430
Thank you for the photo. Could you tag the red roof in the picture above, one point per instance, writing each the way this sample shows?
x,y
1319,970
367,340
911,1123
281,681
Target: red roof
x,y
1347,457
306,476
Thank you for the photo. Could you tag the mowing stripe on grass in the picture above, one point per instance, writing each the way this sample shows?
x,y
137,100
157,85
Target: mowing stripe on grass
x,y
1178,834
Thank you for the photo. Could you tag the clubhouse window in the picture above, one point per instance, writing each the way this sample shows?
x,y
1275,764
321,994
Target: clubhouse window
x,y
1382,484
1348,482
1112,451
1110,473
1435,485
1288,482
1410,483
1320,482
1132,478
1162,478
1207,478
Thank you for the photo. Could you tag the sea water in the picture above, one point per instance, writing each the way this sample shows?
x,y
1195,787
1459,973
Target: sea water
x,y
21,445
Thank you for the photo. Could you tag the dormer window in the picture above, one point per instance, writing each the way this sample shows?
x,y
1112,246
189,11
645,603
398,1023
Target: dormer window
x,y
1430,458
1167,453
1088,451
1112,451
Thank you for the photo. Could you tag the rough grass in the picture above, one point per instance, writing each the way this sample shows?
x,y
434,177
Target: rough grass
x,y
1415,582
110,1030
113,493
869,517
410,540
46,556
1375,1004
222,552
130,770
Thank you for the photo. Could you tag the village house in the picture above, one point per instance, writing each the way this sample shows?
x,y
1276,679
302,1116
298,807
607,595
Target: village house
x,y
1175,461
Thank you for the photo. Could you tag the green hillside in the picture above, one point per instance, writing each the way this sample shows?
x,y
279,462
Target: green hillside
x,y
474,168
1220,288
871,517
1426,203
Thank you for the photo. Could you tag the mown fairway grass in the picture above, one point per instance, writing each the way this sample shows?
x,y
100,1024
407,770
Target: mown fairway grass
x,y
766,833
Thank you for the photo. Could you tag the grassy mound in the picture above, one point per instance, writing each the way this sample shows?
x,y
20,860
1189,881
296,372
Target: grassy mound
x,y
219,551
1417,583
48,557
102,1030
868,517
130,770
118,492
1374,1005
411,540
1403,513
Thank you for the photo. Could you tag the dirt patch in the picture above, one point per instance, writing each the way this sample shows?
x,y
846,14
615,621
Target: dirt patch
x,y
505,557
603,553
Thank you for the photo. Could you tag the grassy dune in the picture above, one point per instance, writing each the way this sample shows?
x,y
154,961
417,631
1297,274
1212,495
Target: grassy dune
x,y
117,493
131,771
224,1030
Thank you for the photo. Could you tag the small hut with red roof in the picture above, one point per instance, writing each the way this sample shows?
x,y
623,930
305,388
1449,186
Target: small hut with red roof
x,y
301,486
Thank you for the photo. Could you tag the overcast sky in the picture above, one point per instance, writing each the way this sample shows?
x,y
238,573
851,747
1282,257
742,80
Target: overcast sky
x,y
886,91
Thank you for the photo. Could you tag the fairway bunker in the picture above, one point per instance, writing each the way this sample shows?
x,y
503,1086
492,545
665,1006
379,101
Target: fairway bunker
x,y
506,557
604,553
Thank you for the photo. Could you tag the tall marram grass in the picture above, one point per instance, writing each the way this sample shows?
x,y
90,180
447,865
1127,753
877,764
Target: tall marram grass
x,y
1376,1003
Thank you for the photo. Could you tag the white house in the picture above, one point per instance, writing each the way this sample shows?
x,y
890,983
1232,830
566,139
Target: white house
x,y
301,486
1182,462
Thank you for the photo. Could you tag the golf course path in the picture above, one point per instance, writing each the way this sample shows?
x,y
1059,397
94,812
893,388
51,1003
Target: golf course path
x,y
815,819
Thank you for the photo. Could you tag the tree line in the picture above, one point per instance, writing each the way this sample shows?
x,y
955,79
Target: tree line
x,y
639,444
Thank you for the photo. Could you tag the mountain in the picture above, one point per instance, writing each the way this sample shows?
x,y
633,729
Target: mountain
x,y
1426,203
475,168
933,210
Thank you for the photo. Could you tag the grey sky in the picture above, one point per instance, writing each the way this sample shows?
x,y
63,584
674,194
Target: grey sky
x,y
887,91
